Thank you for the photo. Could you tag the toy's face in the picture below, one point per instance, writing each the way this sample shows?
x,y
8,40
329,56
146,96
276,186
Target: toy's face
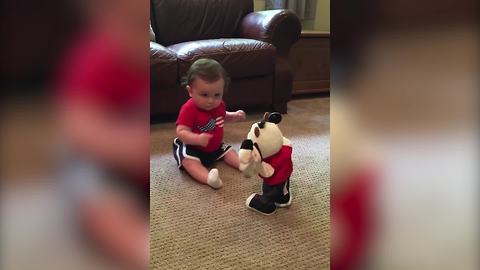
x,y
267,135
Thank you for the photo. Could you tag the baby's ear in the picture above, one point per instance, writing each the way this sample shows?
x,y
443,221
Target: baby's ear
x,y
189,90
275,117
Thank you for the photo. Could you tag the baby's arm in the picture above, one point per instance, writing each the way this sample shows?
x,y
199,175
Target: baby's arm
x,y
186,135
235,116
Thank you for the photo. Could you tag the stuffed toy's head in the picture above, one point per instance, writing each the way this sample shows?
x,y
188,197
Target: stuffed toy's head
x,y
266,135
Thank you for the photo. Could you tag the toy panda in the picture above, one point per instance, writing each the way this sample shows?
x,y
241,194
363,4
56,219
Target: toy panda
x,y
267,153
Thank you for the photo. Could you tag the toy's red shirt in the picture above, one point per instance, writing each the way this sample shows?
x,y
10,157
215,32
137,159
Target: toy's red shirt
x,y
201,121
282,163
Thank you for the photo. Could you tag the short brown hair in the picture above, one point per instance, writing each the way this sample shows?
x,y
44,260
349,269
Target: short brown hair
x,y
208,70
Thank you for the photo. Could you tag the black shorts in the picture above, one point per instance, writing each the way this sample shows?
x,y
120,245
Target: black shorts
x,y
182,151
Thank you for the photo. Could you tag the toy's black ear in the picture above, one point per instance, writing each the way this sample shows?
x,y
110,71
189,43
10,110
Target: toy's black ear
x,y
275,117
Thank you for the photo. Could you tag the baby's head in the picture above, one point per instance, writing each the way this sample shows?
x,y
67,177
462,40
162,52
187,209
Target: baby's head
x,y
205,82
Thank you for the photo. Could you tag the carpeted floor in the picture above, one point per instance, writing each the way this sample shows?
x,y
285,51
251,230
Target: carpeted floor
x,y
195,227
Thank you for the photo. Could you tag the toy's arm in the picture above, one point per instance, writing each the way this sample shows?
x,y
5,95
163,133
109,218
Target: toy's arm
x,y
245,153
249,158
249,170
245,158
266,170
250,161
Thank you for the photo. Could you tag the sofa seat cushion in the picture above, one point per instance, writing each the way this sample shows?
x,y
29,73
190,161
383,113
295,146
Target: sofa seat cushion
x,y
163,66
240,57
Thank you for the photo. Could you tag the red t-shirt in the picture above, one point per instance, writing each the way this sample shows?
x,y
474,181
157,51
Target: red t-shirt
x,y
354,208
97,70
282,163
201,121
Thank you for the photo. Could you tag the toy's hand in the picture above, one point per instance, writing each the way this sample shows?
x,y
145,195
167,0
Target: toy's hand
x,y
256,157
240,115
267,170
245,152
248,169
204,139
245,158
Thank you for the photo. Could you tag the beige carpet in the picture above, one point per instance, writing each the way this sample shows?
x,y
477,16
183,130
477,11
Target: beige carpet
x,y
196,227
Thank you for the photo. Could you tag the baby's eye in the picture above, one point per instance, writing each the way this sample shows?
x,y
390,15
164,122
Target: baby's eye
x,y
217,94
204,95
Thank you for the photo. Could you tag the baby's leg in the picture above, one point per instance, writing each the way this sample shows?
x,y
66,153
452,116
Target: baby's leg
x,y
201,174
231,158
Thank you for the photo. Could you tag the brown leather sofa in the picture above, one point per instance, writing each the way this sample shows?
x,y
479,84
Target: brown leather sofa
x,y
252,46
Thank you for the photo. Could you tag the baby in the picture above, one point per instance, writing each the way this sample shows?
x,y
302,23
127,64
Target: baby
x,y
199,141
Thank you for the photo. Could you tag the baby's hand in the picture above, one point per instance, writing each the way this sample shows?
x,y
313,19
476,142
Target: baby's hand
x,y
240,115
204,139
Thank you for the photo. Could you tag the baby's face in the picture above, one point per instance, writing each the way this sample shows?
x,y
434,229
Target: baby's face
x,y
206,95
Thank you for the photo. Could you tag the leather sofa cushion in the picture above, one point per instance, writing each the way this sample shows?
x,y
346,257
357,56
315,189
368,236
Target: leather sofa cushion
x,y
240,57
163,66
176,21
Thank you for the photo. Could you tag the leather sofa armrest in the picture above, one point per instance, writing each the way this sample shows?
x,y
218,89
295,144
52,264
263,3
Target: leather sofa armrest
x,y
159,53
163,67
152,34
279,27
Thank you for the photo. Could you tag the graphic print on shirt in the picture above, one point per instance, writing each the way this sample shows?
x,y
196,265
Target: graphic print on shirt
x,y
212,123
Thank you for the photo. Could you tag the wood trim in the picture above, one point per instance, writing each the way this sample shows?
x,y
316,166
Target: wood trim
x,y
314,34
304,87
311,91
